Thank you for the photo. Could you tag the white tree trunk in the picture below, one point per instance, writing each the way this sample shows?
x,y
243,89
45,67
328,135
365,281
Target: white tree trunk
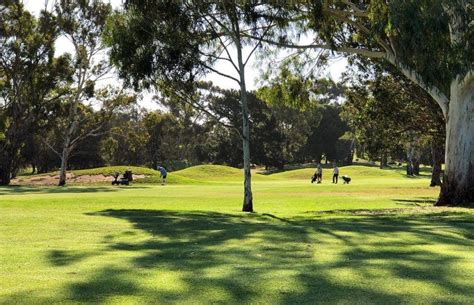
x,y
458,183
248,200
62,172
67,143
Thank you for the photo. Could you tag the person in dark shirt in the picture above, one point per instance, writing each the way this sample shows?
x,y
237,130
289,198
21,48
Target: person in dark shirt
x,y
319,173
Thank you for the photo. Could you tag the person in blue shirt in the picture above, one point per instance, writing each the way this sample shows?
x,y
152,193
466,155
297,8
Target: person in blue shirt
x,y
163,174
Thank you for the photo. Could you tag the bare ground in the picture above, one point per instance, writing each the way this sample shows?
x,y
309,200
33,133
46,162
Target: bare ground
x,y
71,179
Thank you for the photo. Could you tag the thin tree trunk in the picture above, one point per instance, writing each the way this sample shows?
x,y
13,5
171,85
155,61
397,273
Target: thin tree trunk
x,y
62,173
383,160
67,147
437,154
458,182
410,154
416,167
248,200
350,157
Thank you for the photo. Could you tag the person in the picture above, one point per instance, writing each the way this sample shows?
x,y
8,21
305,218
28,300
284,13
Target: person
x,y
319,173
335,174
163,174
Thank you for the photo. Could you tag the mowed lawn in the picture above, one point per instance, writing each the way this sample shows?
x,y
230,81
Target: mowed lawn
x,y
375,241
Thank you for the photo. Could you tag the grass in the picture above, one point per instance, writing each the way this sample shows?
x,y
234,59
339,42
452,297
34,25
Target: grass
x,y
375,241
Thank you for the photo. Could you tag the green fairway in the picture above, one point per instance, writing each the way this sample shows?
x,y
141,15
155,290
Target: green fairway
x,y
375,241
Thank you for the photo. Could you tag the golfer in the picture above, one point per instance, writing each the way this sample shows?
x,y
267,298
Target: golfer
x,y
319,172
163,174
335,174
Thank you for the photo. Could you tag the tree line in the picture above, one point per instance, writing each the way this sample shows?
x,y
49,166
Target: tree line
x,y
402,97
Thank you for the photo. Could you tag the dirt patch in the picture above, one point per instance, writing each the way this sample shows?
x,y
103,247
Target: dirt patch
x,y
71,179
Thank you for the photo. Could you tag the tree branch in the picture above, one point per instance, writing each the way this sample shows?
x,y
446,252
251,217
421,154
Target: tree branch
x,y
218,72
357,11
51,147
348,50
259,42
222,43
412,75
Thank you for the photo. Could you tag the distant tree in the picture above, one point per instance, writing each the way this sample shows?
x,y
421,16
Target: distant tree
x,y
108,149
29,74
82,22
324,137
430,42
309,112
388,113
176,42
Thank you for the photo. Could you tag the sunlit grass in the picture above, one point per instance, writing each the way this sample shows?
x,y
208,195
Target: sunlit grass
x,y
375,241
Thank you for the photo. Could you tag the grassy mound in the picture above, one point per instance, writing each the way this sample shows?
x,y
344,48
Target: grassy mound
x,y
152,176
216,173
356,171
224,174
110,170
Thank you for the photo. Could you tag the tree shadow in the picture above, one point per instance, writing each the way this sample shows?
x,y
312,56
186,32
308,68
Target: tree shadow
x,y
420,201
255,258
26,190
63,258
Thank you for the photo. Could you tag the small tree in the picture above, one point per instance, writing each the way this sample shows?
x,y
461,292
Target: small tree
x,y
82,22
176,42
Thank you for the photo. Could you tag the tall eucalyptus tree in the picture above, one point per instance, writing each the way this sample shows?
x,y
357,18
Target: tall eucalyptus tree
x,y
177,42
429,41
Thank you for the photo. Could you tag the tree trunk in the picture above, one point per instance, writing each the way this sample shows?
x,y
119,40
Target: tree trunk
x,y
458,182
350,157
416,167
383,160
437,154
9,160
248,200
62,172
410,154
5,176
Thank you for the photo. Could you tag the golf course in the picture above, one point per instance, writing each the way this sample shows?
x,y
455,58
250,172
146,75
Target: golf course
x,y
377,240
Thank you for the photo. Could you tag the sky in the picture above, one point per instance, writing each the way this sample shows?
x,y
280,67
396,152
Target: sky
x,y
335,69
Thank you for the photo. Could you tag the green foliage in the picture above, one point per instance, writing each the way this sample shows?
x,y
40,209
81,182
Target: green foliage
x,y
29,75
108,148
288,89
324,136
386,111
412,22
132,36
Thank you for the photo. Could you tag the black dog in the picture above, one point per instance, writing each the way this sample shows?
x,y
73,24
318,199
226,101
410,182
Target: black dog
x,y
313,178
346,179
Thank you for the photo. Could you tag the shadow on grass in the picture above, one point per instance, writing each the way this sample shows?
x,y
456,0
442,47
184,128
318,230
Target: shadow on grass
x,y
420,201
26,190
265,258
64,258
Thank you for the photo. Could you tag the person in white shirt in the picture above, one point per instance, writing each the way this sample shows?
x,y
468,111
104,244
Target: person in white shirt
x,y
335,174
